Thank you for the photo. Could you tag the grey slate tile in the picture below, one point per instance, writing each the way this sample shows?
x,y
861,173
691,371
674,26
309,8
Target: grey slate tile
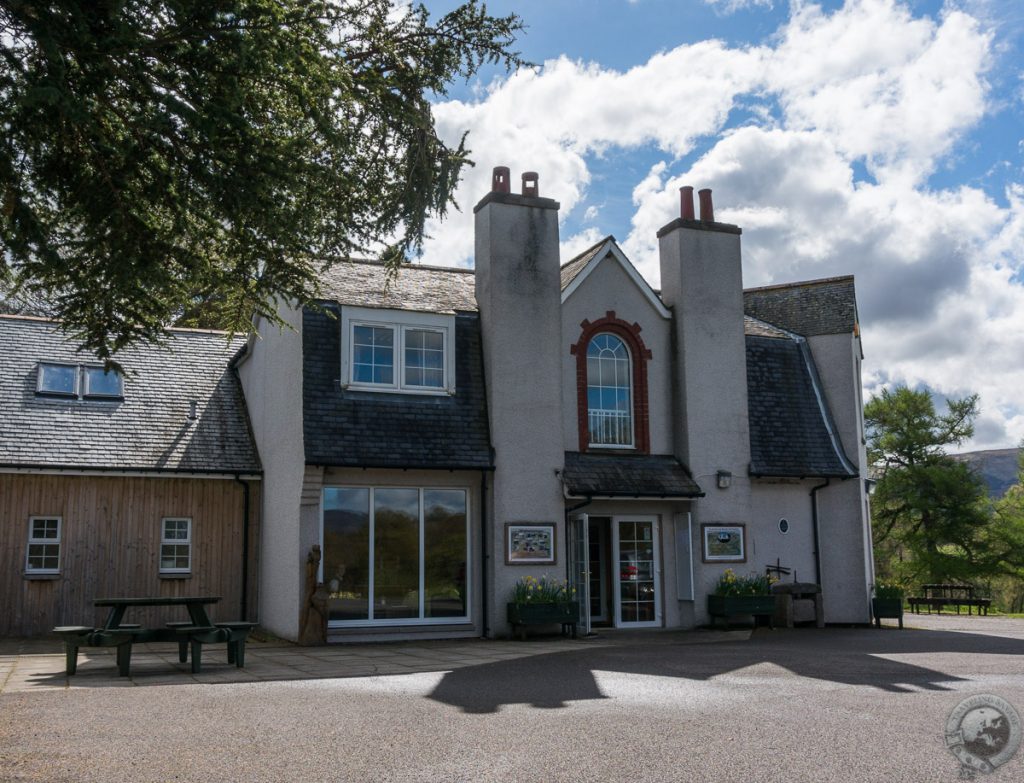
x,y
149,428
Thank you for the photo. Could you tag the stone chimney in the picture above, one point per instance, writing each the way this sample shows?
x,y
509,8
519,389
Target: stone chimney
x,y
702,281
519,295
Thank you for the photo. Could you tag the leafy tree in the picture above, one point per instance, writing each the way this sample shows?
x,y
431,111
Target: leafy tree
x,y
161,158
929,517
1005,542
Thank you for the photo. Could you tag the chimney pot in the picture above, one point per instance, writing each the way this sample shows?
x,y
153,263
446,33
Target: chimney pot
x,y
707,211
686,202
500,180
530,187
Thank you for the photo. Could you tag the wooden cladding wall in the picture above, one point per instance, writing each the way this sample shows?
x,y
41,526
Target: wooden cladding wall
x,y
110,545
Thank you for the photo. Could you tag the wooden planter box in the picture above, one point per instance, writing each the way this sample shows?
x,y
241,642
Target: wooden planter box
x,y
565,614
727,606
887,607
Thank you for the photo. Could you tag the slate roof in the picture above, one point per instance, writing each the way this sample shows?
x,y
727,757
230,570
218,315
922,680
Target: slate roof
x,y
790,429
813,307
761,328
147,430
574,266
370,429
425,289
627,475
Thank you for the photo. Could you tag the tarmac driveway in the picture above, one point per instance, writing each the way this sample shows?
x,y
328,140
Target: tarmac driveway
x,y
800,705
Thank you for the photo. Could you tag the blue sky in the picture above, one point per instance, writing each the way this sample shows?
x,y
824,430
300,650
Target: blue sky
x,y
880,138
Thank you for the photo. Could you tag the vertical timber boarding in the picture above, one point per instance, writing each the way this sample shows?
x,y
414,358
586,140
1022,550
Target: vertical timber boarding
x,y
110,543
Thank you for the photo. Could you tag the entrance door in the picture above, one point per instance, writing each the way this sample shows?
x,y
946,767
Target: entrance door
x,y
637,574
579,566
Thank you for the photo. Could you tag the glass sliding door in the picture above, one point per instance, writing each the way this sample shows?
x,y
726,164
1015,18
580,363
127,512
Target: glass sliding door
x,y
395,555
444,553
638,597
346,552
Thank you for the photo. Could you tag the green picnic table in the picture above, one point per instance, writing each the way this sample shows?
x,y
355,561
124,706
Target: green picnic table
x,y
194,633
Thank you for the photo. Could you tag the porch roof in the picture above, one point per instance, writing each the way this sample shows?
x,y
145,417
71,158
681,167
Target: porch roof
x,y
627,476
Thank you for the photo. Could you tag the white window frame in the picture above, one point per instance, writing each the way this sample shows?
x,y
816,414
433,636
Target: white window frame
x,y
164,541
631,446
399,621
87,392
39,380
45,541
400,322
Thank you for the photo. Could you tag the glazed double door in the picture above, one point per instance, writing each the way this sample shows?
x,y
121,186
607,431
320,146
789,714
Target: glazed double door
x,y
614,564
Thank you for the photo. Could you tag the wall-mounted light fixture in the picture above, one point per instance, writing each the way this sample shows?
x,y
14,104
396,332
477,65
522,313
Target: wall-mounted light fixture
x,y
724,479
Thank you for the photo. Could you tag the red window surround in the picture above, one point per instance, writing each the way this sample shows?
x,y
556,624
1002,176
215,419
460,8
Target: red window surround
x,y
639,355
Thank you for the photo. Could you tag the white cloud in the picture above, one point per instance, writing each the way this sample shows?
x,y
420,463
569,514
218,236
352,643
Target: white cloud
x,y
731,6
940,272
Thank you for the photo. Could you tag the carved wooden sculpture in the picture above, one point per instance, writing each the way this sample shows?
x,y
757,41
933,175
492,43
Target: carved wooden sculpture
x,y
313,627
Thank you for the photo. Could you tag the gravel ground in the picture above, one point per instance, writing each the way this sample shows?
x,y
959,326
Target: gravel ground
x,y
798,705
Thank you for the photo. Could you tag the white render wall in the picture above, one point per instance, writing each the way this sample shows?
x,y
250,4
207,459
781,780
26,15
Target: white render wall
x,y
608,287
272,380
846,555
519,295
701,279
782,499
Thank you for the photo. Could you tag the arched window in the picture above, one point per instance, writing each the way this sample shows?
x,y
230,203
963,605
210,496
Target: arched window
x,y
611,385
609,392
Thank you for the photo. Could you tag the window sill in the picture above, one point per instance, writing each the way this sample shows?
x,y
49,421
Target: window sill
x,y
358,387
39,577
175,576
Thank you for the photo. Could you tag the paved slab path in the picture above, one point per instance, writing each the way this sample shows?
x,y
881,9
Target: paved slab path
x,y
799,705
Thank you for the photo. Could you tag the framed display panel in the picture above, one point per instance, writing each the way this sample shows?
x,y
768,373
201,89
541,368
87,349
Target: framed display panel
x,y
528,543
723,543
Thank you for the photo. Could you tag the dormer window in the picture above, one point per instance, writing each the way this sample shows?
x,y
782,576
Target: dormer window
x,y
398,351
77,381
59,379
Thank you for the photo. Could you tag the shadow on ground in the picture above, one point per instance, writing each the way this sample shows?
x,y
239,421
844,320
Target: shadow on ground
x,y
845,656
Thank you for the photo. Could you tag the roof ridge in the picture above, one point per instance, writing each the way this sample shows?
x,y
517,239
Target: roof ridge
x,y
799,283
175,329
592,247
404,265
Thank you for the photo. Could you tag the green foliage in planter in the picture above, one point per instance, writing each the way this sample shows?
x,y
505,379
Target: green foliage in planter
x,y
753,584
530,590
889,590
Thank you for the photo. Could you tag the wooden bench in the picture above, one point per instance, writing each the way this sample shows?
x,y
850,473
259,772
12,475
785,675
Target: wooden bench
x,y
78,636
232,633
938,596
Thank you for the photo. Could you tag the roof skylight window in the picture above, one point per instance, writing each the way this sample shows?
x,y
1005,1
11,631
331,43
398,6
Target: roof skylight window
x,y
61,379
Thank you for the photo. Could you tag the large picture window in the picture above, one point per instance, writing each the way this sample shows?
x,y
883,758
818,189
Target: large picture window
x,y
395,555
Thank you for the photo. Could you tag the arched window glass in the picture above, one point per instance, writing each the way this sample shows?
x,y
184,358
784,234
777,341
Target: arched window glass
x,y
609,397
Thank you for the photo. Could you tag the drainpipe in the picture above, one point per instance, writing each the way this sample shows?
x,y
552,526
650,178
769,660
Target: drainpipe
x,y
814,522
245,547
483,553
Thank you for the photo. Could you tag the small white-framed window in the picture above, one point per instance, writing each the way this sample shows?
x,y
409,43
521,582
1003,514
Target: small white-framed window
x,y
423,365
175,545
398,351
101,383
58,379
43,555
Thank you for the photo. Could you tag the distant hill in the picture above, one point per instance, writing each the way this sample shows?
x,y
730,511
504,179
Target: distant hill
x,y
998,467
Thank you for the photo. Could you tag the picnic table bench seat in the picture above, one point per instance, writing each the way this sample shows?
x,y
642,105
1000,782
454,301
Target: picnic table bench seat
x,y
78,636
938,596
233,633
